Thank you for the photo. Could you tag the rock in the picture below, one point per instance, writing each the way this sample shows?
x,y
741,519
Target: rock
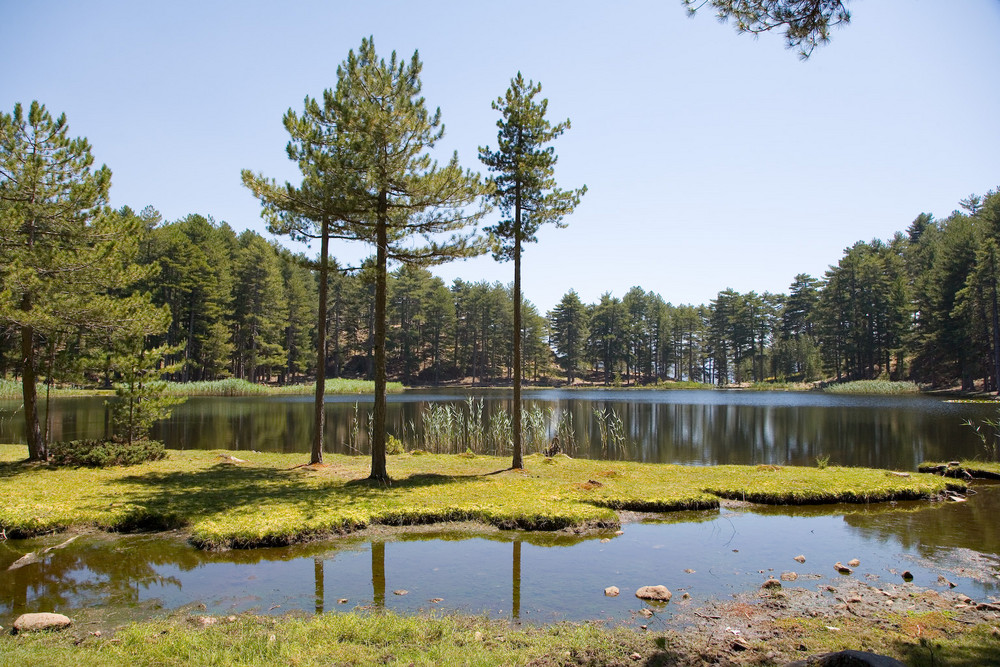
x,y
636,656
771,584
342,601
740,644
605,540
847,659
400,591
854,562
686,596
437,600
655,593
843,569
40,622
800,558
478,636
646,613
789,576
907,575
612,591
689,571
205,621
619,533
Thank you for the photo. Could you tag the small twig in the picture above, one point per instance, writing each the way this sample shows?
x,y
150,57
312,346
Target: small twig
x,y
713,618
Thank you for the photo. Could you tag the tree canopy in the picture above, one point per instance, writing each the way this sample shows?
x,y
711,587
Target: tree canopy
x,y
806,23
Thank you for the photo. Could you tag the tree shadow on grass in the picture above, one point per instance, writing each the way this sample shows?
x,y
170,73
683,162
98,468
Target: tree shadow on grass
x,y
224,488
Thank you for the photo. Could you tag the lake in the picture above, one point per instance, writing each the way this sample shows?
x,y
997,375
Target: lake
x,y
539,577
699,427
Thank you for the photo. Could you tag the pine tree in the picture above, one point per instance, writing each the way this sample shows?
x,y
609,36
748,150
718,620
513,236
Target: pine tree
x,y
526,193
63,256
368,173
569,333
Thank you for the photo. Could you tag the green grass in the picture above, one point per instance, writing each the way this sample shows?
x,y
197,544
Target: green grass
x,y
356,638
273,500
873,387
10,390
235,387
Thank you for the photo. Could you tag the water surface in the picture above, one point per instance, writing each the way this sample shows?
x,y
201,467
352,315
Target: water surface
x,y
534,577
682,426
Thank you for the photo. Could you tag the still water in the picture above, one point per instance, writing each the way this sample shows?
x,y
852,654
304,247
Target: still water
x,y
534,577
687,427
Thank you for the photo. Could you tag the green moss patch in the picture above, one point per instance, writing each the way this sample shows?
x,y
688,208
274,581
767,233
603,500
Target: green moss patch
x,y
271,499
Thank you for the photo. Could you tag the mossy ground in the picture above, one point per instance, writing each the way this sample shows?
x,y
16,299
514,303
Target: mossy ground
x,y
271,499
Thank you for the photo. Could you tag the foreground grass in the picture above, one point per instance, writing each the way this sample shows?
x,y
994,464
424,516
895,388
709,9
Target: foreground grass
x,y
389,639
271,499
873,387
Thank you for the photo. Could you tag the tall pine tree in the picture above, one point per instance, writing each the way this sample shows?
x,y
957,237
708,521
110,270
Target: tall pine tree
x,y
526,193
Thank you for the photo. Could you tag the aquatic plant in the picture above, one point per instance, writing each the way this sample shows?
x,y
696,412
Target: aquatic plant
x,y
988,432
611,429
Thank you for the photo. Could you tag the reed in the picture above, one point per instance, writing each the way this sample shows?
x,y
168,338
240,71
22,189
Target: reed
x,y
873,387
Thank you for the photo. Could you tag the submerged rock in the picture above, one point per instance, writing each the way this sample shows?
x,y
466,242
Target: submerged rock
x,y
843,569
41,622
655,593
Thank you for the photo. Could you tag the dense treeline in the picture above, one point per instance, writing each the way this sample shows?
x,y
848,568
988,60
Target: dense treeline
x,y
922,305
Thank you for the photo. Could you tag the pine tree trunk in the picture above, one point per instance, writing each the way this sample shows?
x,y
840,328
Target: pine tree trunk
x,y
379,472
37,450
319,407
518,460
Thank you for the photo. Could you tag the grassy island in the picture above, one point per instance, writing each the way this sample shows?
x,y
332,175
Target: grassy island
x,y
237,499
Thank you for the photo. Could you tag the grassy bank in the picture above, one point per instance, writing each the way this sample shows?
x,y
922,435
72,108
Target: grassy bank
x,y
234,387
273,500
976,469
11,390
918,639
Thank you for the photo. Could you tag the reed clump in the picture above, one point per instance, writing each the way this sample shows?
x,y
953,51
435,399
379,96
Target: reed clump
x,y
873,387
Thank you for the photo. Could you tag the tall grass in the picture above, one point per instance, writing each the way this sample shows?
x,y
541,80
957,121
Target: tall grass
x,y
236,387
455,428
10,390
873,387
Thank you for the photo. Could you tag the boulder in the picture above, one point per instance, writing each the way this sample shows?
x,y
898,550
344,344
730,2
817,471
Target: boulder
x,y
41,622
654,593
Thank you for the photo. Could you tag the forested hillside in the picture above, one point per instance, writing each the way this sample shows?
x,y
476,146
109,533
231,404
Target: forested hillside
x,y
921,305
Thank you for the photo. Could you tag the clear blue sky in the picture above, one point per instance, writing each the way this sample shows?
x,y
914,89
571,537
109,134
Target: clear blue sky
x,y
713,160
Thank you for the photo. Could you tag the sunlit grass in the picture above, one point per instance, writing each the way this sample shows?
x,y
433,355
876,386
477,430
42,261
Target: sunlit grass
x,y
386,638
873,387
237,387
11,390
271,499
